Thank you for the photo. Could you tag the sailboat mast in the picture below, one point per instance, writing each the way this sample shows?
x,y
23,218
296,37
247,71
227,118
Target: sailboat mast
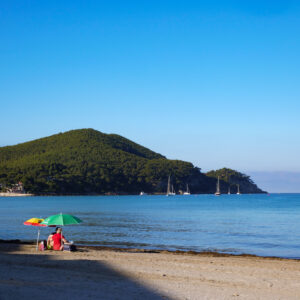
x,y
168,189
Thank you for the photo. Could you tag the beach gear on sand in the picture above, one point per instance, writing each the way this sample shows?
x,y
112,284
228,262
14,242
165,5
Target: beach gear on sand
x,y
61,220
36,222
42,246
69,247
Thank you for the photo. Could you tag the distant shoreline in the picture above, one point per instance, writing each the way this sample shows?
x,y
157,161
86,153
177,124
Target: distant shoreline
x,y
115,194
15,195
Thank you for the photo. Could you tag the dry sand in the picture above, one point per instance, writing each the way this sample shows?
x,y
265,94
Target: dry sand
x,y
106,274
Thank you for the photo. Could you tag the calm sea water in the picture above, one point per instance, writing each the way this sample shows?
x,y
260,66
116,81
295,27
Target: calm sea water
x,y
266,225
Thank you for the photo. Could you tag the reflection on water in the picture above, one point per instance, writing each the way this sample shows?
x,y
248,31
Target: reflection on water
x,y
255,224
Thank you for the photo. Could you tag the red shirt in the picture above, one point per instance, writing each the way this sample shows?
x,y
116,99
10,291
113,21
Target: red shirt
x,y
57,241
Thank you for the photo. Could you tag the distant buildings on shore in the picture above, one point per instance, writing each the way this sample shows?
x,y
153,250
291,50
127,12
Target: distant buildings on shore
x,y
16,188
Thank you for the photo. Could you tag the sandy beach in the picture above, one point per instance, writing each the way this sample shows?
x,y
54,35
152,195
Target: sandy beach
x,y
92,273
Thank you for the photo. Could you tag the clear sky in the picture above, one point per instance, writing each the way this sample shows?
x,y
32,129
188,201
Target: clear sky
x,y
211,82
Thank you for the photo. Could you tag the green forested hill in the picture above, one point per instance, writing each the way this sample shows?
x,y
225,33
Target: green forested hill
x,y
87,161
232,178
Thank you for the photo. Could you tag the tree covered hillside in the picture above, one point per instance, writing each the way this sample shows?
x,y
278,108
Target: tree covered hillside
x,y
87,161
231,178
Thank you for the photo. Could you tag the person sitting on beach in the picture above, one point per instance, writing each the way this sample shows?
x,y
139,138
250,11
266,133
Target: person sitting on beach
x,y
50,240
58,240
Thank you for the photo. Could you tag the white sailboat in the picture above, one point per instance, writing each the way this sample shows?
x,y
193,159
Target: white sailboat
x,y
229,190
142,193
218,193
187,192
173,190
238,190
170,188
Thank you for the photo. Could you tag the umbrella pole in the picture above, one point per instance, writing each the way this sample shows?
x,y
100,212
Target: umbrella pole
x,y
37,240
61,241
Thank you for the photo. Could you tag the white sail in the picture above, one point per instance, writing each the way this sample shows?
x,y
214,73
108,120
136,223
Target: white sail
x,y
238,190
170,188
187,192
218,193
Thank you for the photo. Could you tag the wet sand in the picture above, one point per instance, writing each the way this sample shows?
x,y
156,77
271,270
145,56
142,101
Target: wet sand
x,y
101,273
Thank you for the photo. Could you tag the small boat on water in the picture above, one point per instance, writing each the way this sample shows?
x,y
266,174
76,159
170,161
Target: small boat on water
x,y
229,190
170,188
187,192
238,189
142,193
218,193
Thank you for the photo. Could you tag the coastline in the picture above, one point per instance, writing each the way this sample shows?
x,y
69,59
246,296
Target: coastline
x,y
15,195
104,273
112,194
157,251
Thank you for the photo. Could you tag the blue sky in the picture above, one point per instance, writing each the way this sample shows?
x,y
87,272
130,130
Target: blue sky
x,y
211,82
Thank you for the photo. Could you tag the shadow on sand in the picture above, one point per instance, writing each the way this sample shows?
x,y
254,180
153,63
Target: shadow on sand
x,y
39,276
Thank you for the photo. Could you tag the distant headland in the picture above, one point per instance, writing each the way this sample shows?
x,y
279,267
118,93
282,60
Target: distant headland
x,y
86,161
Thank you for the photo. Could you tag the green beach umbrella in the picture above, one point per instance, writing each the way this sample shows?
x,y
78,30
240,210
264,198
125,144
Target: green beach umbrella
x,y
61,220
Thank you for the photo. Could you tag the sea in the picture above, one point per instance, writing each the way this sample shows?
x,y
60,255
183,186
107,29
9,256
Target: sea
x,y
258,224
